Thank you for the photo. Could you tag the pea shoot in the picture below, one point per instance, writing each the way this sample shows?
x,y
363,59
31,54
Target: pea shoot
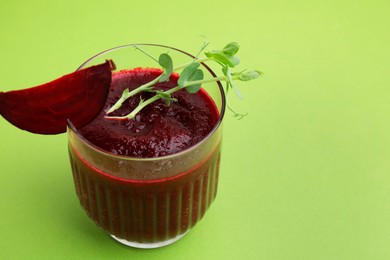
x,y
191,78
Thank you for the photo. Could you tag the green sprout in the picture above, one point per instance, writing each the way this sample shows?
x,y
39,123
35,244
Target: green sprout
x,y
191,78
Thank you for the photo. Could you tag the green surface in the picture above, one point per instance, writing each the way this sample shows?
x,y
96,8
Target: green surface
x,y
305,176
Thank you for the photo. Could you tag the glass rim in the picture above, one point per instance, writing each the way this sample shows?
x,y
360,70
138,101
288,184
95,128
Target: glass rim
x,y
71,126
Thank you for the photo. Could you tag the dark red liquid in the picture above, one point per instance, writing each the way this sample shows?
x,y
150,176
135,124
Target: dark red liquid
x,y
153,210
158,129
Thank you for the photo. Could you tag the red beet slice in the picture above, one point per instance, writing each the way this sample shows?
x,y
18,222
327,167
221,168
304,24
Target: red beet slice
x,y
44,109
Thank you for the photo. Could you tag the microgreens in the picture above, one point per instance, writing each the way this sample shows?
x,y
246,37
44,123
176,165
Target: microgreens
x,y
191,78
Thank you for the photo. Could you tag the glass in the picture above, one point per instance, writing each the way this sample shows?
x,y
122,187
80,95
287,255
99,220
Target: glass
x,y
147,202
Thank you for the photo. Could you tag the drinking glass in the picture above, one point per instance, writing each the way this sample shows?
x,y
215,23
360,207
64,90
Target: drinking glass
x,y
147,202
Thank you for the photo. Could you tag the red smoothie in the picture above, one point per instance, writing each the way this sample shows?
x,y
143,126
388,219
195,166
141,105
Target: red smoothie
x,y
148,179
158,129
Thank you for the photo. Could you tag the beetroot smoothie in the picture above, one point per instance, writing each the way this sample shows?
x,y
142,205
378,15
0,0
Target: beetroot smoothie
x,y
148,180
157,130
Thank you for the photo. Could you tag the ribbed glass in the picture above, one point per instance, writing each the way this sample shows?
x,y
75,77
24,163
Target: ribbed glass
x,y
147,202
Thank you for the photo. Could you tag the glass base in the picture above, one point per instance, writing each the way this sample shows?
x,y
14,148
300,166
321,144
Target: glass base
x,y
149,245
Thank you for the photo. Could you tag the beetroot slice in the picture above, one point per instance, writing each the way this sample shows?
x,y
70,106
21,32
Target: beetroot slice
x,y
44,109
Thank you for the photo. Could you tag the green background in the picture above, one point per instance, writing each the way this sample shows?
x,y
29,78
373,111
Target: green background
x,y
306,175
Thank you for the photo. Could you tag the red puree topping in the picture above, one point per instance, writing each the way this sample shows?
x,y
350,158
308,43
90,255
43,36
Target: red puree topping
x,y
157,130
